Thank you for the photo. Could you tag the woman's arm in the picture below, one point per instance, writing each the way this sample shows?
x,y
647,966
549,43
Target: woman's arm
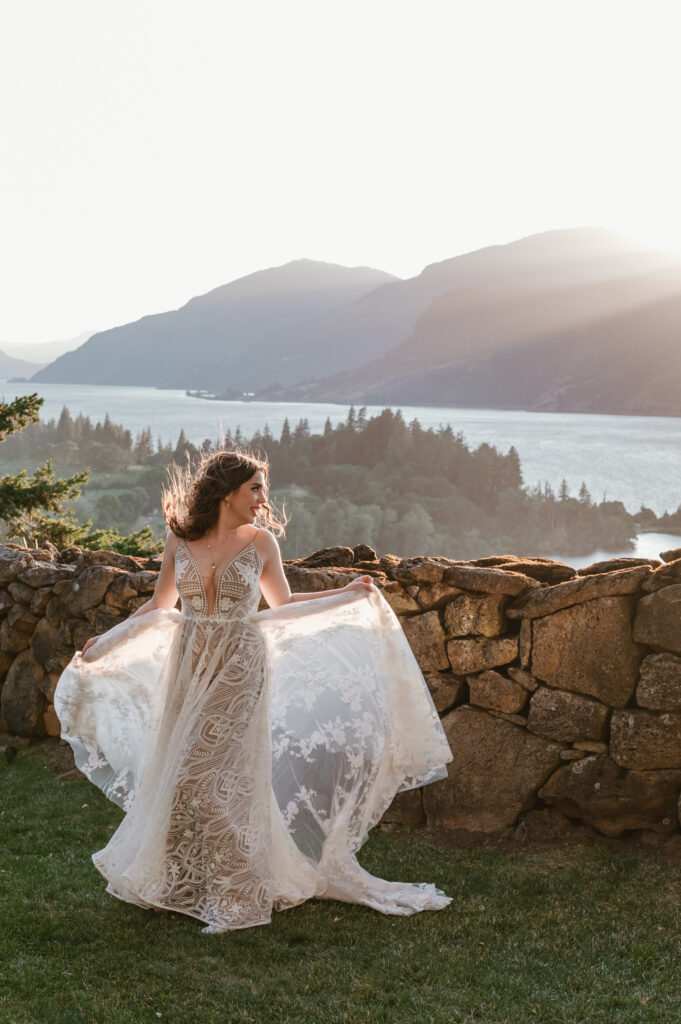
x,y
165,592
274,584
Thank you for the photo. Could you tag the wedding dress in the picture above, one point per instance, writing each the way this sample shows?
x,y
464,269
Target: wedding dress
x,y
252,751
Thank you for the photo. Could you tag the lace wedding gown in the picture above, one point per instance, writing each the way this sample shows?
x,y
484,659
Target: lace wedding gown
x,y
251,751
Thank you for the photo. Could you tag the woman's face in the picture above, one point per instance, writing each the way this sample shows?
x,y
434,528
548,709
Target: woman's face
x,y
246,501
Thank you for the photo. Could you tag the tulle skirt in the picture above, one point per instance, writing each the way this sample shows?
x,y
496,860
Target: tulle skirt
x,y
253,756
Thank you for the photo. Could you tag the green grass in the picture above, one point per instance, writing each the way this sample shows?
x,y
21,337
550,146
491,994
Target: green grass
x,y
581,933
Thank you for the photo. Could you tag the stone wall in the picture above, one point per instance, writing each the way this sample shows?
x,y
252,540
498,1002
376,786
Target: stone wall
x,y
559,690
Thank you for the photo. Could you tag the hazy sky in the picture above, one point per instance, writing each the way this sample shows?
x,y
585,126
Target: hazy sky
x,y
154,149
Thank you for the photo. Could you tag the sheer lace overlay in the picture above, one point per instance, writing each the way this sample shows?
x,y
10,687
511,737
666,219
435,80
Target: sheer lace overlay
x,y
251,751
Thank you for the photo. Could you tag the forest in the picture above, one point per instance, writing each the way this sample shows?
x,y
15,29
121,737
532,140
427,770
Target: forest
x,y
374,480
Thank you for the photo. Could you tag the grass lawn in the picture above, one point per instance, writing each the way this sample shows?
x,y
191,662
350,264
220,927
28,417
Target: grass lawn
x,y
579,933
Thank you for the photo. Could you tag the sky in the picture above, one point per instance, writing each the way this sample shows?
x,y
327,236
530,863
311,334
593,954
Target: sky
x,y
154,149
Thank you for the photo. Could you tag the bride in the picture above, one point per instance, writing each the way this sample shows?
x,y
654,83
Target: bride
x,y
252,751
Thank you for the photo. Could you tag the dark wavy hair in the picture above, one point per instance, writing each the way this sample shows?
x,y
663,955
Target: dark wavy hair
x,y
191,500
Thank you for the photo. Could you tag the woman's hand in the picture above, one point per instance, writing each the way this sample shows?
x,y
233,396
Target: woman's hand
x,y
362,583
90,642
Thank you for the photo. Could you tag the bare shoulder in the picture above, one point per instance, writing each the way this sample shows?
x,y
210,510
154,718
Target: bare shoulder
x,y
266,544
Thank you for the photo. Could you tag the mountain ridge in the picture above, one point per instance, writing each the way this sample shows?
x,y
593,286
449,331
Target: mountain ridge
x,y
13,367
312,331
595,364
229,337
44,352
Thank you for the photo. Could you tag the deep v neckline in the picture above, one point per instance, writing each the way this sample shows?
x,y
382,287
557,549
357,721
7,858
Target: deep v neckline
x,y
218,575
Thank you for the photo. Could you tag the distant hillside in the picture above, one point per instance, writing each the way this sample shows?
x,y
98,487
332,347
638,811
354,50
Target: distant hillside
x,y
548,322
514,354
11,367
44,352
261,330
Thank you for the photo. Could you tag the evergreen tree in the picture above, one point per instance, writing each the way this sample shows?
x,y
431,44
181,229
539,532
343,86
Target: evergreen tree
x,y
32,507
513,475
18,414
65,426
83,427
183,448
584,495
302,431
144,446
108,431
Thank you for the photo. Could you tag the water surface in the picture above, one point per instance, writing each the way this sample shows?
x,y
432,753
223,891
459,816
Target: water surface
x,y
633,459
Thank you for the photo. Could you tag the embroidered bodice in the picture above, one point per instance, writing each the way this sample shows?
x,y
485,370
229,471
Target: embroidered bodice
x,y
237,592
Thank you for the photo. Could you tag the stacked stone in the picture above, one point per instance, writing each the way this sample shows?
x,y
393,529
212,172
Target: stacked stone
x,y
559,691
573,693
49,605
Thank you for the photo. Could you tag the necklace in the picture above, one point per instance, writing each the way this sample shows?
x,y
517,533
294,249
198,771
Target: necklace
x,y
231,533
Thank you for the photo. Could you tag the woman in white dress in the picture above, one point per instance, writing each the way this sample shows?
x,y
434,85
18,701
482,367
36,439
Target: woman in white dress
x,y
252,751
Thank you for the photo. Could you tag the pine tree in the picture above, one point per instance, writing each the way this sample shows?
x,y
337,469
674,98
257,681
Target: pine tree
x,y
302,431
83,427
65,426
33,506
144,446
109,431
18,414
514,474
183,448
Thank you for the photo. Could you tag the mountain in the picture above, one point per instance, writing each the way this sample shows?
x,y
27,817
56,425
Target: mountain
x,y
44,352
576,319
549,322
514,353
260,330
388,315
11,367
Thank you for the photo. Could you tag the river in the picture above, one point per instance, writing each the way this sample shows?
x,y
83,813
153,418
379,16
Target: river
x,y
633,459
